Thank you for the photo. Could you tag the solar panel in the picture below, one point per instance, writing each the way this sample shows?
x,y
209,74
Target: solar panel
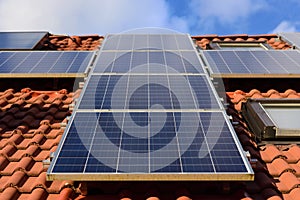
x,y
43,63
148,42
292,38
144,91
149,112
253,63
20,40
111,145
122,62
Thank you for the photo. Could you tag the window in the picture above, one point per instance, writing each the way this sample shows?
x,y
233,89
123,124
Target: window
x,y
239,46
272,119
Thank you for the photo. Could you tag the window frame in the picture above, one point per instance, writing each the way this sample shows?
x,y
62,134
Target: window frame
x,y
262,124
217,45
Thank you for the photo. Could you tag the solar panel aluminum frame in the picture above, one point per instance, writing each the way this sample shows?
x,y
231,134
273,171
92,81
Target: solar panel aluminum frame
x,y
51,75
163,176
213,74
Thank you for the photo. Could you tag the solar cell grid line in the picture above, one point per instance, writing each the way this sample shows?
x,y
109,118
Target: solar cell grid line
x,y
79,66
252,63
122,62
9,64
184,42
140,42
155,42
269,62
295,57
126,42
104,62
62,63
285,61
112,42
174,61
233,61
191,62
169,42
46,62
26,65
216,62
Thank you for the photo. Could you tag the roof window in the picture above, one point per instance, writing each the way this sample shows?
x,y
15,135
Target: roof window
x,y
273,119
254,46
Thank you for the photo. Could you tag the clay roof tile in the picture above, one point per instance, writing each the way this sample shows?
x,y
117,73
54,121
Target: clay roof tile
x,y
288,181
270,153
9,193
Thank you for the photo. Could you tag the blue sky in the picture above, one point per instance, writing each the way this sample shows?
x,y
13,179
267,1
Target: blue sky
x,y
190,16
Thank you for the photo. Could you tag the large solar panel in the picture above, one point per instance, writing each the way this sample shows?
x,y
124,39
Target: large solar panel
x,y
149,112
292,38
44,63
253,63
156,145
20,40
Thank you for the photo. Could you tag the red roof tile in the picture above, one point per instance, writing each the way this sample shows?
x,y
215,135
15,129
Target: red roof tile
x,y
30,132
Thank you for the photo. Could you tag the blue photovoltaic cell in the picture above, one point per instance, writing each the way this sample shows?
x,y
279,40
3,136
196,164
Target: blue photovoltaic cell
x,y
253,62
151,61
21,62
149,142
20,40
146,91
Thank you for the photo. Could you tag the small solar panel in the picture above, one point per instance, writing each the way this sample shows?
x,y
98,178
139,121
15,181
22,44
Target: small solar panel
x,y
292,38
20,40
141,146
253,63
43,63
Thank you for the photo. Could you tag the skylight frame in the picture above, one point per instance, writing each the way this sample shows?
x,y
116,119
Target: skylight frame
x,y
263,125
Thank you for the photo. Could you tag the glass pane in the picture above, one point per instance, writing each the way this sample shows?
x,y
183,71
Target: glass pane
x,y
284,117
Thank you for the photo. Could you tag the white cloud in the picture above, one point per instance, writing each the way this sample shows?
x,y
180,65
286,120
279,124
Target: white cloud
x,y
285,26
89,16
225,12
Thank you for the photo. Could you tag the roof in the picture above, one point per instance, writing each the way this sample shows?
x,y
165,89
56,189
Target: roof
x,y
33,121
31,126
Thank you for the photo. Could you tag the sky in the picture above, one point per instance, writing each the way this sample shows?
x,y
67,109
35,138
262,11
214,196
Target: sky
x,y
196,17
